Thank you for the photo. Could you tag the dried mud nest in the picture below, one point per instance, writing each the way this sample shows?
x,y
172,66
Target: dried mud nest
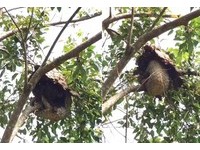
x,y
156,72
53,97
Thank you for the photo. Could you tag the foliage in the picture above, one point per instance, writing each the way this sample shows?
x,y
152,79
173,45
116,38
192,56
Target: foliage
x,y
82,75
175,118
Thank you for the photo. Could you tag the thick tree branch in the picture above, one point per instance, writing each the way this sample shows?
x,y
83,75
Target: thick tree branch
x,y
139,43
25,114
8,34
10,129
114,99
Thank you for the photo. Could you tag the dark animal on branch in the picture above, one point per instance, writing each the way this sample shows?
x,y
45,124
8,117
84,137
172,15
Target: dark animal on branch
x,y
157,72
53,94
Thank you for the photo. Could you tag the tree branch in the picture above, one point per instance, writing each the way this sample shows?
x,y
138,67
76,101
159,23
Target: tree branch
x,y
107,22
77,20
114,99
129,41
139,43
19,30
72,54
157,19
25,114
126,16
8,34
24,46
58,36
13,9
10,129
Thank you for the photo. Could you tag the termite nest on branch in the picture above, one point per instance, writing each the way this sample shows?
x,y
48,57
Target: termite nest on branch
x,y
53,96
156,72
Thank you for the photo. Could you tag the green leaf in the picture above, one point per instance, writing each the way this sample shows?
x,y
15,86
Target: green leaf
x,y
14,76
83,73
2,72
93,65
170,32
59,8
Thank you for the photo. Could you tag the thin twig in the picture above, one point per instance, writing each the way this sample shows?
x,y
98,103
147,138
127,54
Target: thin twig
x,y
25,50
104,24
113,121
23,44
14,9
157,19
29,25
20,32
115,128
58,36
77,20
35,26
